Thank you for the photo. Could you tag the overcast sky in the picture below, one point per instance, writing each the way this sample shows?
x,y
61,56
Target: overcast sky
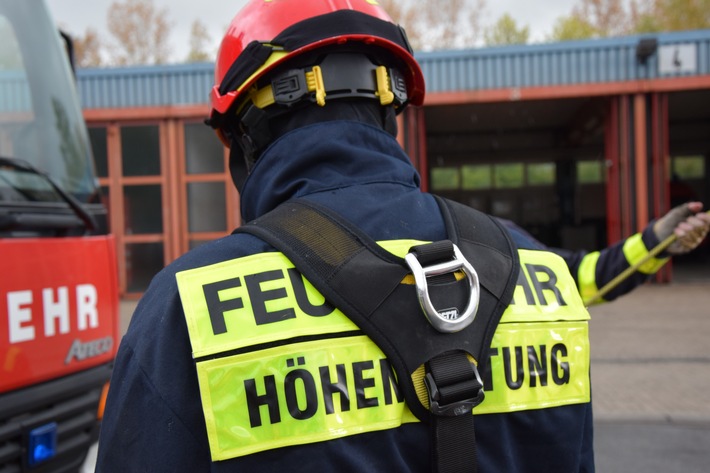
x,y
78,15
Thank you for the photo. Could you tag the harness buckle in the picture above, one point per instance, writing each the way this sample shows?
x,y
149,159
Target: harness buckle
x,y
455,399
448,320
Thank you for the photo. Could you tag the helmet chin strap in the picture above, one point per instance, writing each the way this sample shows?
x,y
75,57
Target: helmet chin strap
x,y
254,134
237,165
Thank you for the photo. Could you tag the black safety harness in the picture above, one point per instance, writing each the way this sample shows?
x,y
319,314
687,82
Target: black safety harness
x,y
462,285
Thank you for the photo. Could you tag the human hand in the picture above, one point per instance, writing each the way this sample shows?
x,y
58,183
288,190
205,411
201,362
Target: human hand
x,y
688,222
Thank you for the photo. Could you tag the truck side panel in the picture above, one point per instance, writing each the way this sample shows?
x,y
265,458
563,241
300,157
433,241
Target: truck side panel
x,y
58,308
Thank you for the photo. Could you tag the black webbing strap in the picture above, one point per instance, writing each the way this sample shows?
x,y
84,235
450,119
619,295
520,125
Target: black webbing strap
x,y
364,281
453,438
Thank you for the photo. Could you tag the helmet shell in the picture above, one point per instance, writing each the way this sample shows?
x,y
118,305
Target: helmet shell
x,y
264,20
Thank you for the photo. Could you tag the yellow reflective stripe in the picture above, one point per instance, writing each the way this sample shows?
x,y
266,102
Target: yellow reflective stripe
x,y
323,390
635,251
262,299
257,299
545,292
586,275
537,366
264,280
298,394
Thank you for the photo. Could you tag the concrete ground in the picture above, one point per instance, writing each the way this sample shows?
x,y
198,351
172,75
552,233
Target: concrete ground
x,y
651,377
650,357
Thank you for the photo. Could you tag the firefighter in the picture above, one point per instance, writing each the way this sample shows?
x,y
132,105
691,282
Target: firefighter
x,y
233,361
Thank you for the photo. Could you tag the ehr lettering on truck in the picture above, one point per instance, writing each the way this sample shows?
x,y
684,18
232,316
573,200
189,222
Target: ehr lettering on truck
x,y
58,280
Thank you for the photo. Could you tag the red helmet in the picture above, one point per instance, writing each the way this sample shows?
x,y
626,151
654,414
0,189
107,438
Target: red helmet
x,y
265,33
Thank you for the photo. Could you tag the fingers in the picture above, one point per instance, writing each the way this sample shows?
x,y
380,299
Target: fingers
x,y
691,232
692,223
688,223
695,207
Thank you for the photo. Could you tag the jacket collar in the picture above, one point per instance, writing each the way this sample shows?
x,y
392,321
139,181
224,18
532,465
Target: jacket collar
x,y
302,162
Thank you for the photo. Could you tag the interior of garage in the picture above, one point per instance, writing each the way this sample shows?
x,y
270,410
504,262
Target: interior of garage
x,y
543,163
538,163
689,133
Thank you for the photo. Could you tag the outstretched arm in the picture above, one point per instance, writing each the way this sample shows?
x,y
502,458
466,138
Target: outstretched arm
x,y
607,274
623,266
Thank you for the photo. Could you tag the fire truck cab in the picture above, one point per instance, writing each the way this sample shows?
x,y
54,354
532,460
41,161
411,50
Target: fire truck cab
x,y
58,280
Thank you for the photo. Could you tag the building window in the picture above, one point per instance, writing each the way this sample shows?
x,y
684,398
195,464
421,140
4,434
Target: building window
x,y
590,172
689,167
506,176
140,150
477,177
204,153
143,205
207,207
444,179
541,174
99,146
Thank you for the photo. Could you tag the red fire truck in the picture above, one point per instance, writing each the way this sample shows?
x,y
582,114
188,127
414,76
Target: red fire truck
x,y
58,280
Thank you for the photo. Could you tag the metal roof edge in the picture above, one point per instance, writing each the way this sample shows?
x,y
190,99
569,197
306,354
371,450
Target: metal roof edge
x,y
593,43
593,61
148,69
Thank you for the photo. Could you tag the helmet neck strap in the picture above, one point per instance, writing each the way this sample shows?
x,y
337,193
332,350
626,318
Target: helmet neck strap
x,y
237,165
259,128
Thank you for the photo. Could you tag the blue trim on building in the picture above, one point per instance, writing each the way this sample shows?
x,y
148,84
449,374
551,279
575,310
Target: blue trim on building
x,y
536,65
564,63
145,86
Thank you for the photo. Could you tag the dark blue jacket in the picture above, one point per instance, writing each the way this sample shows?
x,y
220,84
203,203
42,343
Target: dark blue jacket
x,y
154,420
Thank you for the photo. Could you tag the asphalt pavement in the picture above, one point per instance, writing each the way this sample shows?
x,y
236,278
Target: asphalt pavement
x,y
650,376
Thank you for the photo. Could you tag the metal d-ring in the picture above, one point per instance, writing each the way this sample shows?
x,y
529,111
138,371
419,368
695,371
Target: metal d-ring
x,y
447,320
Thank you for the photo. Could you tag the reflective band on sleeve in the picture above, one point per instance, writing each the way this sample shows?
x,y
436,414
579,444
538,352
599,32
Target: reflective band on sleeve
x,y
545,291
537,366
635,251
298,394
587,275
252,300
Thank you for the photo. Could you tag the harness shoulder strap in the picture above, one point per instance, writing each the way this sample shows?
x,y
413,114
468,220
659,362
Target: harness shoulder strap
x,y
366,283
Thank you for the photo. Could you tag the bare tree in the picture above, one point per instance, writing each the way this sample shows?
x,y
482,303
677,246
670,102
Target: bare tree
x,y
438,24
87,49
141,32
670,15
199,42
397,10
593,19
608,17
